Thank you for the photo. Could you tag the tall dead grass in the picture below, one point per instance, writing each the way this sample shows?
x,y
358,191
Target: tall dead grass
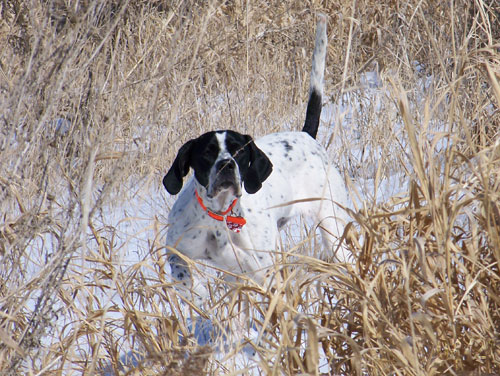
x,y
96,98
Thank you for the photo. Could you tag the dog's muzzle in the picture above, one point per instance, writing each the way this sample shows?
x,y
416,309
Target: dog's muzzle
x,y
225,175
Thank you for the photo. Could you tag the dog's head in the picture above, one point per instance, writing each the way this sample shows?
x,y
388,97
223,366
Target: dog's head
x,y
222,161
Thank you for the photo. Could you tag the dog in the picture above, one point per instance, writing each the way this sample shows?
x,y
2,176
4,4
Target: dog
x,y
244,191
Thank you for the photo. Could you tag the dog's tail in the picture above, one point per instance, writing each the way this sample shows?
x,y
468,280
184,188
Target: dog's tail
x,y
317,75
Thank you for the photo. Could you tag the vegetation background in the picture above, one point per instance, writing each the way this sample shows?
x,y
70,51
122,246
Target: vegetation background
x,y
96,97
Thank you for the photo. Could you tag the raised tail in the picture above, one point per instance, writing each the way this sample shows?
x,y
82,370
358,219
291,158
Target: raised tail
x,y
313,112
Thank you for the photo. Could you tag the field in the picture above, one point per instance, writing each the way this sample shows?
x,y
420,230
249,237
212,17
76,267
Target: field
x,y
96,97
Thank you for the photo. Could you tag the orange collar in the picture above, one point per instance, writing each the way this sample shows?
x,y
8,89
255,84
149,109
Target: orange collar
x,y
233,223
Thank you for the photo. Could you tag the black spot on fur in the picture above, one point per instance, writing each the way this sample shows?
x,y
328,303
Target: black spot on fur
x,y
207,254
287,145
282,221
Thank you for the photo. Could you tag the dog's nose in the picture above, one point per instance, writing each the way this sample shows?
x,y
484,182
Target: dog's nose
x,y
225,164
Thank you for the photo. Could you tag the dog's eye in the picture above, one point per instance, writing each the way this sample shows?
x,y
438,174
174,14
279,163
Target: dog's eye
x,y
212,150
234,149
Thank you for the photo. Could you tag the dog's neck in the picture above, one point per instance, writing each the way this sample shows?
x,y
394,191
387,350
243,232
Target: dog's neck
x,y
232,217
219,203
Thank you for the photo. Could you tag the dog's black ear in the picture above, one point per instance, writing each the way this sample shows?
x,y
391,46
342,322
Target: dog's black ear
x,y
259,169
173,179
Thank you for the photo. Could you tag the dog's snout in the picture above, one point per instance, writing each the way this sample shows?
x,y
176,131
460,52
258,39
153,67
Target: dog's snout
x,y
225,164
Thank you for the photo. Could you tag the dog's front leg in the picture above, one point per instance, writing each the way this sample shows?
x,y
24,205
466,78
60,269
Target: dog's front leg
x,y
187,283
241,262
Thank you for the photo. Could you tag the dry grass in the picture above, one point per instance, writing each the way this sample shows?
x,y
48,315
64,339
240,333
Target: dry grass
x,y
135,80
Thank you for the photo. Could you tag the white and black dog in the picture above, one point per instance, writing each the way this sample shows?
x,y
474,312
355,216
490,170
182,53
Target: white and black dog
x,y
243,191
